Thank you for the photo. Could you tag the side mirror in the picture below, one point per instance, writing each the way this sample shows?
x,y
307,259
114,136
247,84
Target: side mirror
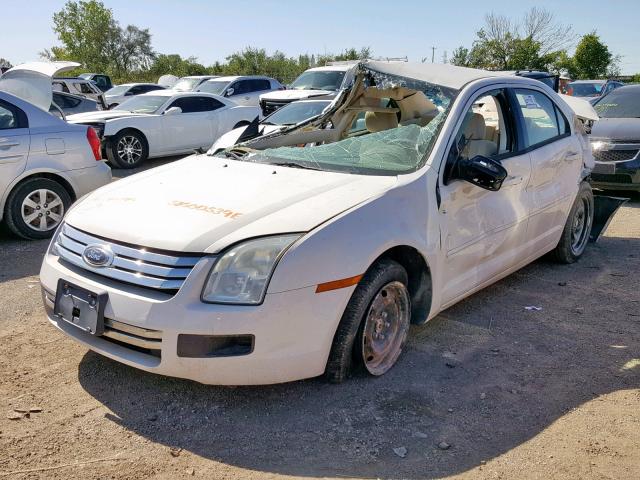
x,y
229,92
173,111
483,172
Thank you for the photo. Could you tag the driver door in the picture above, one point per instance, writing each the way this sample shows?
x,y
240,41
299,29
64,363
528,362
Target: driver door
x,y
190,130
483,232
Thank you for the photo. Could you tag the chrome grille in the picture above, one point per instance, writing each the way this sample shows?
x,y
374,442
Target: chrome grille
x,y
137,266
615,155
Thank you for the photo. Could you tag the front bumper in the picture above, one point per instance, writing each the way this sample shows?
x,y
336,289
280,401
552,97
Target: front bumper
x,y
617,175
292,330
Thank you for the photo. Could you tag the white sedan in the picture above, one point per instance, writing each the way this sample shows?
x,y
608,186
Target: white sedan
x,y
272,262
163,123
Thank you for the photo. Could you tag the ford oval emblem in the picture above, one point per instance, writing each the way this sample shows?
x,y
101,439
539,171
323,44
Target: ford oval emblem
x,y
97,255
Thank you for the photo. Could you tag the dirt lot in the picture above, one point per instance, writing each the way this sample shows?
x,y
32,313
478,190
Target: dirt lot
x,y
513,394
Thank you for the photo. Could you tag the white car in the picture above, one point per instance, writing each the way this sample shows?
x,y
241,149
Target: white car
x,y
191,83
316,83
285,117
116,95
45,163
79,86
162,123
243,90
272,262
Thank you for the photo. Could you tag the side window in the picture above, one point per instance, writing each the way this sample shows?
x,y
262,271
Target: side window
x,y
542,120
197,104
101,81
137,90
83,88
240,87
151,88
258,85
486,128
12,117
8,119
60,87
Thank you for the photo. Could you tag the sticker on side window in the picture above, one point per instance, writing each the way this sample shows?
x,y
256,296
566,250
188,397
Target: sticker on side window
x,y
530,101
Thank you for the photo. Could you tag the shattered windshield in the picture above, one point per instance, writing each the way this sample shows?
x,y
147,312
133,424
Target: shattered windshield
x,y
397,137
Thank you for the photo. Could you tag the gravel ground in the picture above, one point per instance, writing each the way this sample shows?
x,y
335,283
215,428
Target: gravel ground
x,y
485,390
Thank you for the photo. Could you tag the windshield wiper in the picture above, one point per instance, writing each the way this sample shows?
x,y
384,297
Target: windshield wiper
x,y
293,165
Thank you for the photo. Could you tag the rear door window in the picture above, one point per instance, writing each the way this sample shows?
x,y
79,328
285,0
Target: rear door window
x,y
541,119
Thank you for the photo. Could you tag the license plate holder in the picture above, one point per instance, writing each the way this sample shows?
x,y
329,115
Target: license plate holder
x,y
80,307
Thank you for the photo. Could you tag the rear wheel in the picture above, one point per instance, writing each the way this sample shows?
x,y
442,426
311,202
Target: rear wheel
x,y
36,207
578,227
375,324
128,149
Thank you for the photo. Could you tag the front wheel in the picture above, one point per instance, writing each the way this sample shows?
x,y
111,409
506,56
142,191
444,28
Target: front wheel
x,y
128,149
578,227
375,324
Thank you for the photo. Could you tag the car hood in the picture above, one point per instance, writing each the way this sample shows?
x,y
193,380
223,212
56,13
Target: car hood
x,y
295,94
31,81
102,115
617,129
204,204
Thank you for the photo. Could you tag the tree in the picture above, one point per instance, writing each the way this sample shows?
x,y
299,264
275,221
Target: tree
x,y
91,36
592,57
461,57
174,64
87,31
505,44
131,50
4,63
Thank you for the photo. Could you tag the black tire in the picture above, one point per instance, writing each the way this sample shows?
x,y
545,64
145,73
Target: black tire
x,y
346,351
243,123
118,152
575,235
17,212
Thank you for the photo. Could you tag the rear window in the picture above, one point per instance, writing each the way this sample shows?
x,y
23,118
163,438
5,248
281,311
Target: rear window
x,y
584,89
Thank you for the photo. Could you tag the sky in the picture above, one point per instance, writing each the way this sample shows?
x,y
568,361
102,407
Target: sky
x,y
211,30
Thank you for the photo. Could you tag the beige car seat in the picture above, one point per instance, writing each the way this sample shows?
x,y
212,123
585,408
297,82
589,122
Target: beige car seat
x,y
379,121
474,133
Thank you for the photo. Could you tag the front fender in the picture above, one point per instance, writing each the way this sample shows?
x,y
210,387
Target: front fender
x,y
348,244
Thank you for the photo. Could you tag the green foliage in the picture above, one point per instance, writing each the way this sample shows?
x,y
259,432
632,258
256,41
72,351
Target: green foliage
x,y
592,58
536,42
91,36
4,63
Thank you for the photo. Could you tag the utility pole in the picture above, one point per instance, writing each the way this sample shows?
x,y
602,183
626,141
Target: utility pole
x,y
433,54
445,58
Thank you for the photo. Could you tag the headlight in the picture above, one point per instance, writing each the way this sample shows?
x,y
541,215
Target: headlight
x,y
595,146
53,245
241,275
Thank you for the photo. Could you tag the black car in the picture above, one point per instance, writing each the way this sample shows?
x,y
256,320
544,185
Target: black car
x,y
101,80
615,140
550,79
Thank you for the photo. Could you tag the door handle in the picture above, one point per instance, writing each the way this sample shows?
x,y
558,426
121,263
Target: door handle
x,y
6,146
571,155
